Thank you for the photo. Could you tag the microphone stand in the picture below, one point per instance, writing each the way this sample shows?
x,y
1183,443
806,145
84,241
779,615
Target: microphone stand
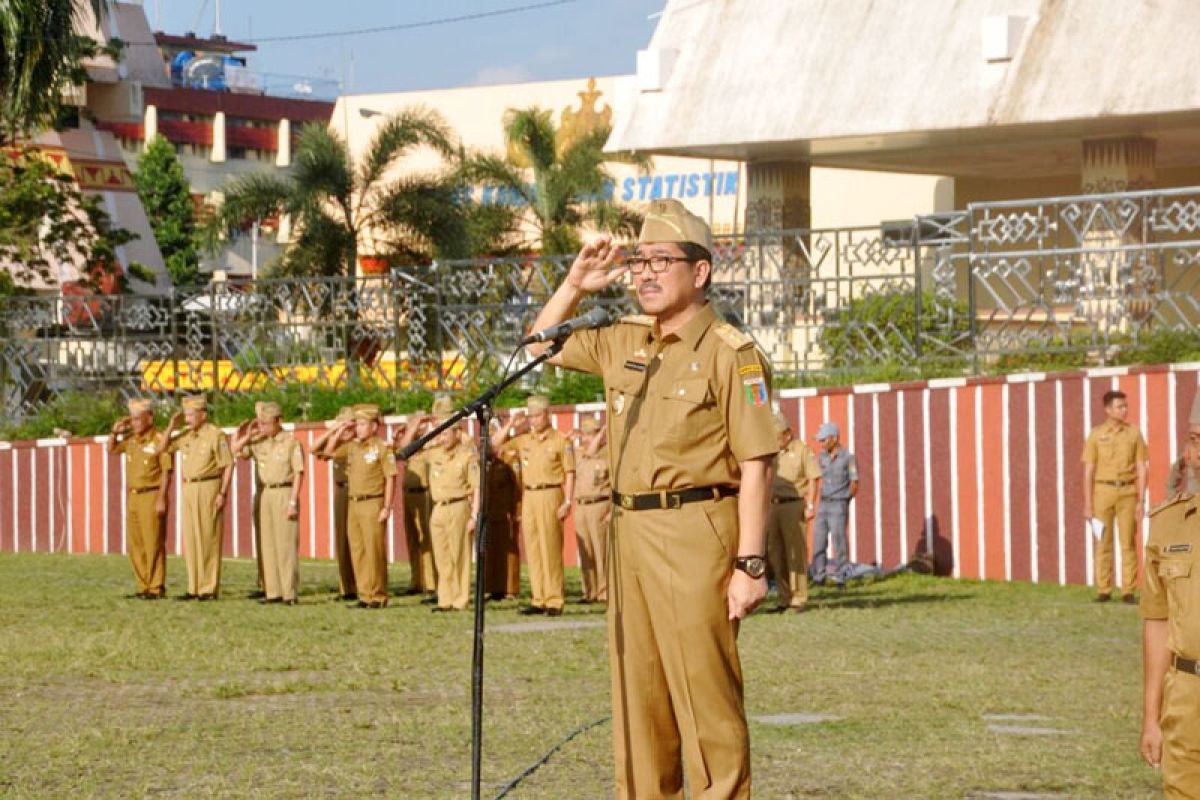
x,y
481,408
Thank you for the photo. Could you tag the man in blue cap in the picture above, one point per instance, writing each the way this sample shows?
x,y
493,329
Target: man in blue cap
x,y
839,484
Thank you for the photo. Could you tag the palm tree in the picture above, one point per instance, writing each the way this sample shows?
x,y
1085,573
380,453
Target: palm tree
x,y
569,178
41,55
336,204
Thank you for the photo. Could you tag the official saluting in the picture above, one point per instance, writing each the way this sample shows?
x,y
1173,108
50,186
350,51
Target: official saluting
x,y
347,587
147,480
691,447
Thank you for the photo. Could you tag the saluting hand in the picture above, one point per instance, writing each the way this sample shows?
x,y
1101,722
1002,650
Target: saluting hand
x,y
593,270
177,419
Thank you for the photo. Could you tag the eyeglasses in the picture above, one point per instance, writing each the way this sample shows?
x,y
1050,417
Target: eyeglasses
x,y
657,264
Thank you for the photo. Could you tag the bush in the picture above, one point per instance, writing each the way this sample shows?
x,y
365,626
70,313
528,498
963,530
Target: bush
x,y
888,322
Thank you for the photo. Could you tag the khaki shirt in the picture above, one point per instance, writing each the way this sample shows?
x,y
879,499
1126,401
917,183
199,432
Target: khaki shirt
x,y
203,453
369,465
338,465
795,466
278,459
545,457
504,488
1115,449
1171,585
453,473
591,476
684,410
144,466
416,471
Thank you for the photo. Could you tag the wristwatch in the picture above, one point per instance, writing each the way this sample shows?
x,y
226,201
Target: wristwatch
x,y
754,566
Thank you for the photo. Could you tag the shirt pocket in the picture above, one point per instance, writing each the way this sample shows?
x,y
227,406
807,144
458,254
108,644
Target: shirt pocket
x,y
1176,575
688,410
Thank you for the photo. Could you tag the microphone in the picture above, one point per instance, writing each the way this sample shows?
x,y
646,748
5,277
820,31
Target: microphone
x,y
596,318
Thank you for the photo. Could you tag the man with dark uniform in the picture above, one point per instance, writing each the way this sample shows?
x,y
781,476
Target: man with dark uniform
x,y
147,480
416,500
206,465
347,588
593,508
502,572
691,446
279,471
371,485
547,482
454,494
1114,485
793,504
1170,611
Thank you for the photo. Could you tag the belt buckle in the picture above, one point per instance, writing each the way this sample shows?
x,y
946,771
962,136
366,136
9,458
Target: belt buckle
x,y
674,501
626,501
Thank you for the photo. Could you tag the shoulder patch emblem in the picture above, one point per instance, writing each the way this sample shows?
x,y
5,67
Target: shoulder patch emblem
x,y
638,319
732,336
1179,498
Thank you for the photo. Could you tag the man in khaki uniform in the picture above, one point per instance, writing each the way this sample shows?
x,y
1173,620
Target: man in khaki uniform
x,y
347,587
1170,611
147,478
454,493
1185,472
593,508
502,572
1114,485
793,504
547,483
279,468
691,447
206,465
417,508
371,485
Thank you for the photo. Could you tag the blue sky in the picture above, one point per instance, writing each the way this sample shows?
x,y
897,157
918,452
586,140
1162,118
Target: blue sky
x,y
577,39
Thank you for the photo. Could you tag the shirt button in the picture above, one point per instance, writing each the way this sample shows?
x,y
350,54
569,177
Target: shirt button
x,y
682,392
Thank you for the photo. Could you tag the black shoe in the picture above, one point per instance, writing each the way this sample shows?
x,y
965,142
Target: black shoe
x,y
410,591
348,597
441,609
256,595
553,612
185,598
584,601
429,598
204,598
291,602
269,600
1102,598
1129,599
360,604
496,596
530,611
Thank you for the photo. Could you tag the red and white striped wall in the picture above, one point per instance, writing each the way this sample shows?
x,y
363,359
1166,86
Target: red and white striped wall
x,y
983,472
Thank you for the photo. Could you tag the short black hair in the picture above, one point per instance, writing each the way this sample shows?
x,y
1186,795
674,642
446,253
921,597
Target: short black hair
x,y
698,252
1111,396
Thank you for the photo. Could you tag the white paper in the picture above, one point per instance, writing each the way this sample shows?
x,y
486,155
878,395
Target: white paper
x,y
1097,528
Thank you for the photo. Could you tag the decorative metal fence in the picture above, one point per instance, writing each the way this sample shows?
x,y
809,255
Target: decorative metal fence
x,y
951,293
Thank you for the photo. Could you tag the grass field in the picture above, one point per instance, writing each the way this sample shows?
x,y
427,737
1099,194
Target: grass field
x,y
104,696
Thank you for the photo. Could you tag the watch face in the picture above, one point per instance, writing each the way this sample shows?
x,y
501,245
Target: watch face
x,y
754,566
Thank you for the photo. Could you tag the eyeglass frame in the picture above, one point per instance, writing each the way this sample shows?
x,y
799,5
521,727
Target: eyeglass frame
x,y
648,261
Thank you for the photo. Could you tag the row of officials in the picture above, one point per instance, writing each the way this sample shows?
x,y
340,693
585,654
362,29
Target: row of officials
x,y
538,476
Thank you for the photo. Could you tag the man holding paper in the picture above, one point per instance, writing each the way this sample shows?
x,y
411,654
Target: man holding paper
x,y
1114,489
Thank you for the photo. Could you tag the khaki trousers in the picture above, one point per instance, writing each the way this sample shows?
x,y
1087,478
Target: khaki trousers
x,y
543,532
280,537
591,530
451,553
676,676
502,574
420,548
341,542
368,549
1180,720
146,540
1119,503
787,552
203,532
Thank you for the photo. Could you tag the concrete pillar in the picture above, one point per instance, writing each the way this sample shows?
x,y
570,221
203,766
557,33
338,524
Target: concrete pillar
x,y
283,146
284,234
218,138
149,125
1118,165
778,195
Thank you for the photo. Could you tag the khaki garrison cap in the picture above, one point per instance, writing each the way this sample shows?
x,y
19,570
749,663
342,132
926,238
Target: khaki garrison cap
x,y
668,221
536,403
589,424
781,423
195,403
139,407
345,414
442,405
267,410
1194,418
366,411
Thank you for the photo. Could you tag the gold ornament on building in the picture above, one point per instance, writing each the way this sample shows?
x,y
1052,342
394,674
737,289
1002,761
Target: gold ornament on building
x,y
573,124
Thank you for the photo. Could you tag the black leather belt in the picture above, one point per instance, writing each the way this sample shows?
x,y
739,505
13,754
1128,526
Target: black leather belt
x,y
202,480
778,501
542,486
671,499
356,497
277,485
449,502
415,491
1118,484
142,489
1186,664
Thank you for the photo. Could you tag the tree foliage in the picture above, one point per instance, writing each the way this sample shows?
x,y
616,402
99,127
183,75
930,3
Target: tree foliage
x,y
166,196
883,326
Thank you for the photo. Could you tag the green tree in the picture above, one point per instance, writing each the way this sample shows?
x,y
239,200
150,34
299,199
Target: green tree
x,y
881,329
167,199
570,186
335,203
41,55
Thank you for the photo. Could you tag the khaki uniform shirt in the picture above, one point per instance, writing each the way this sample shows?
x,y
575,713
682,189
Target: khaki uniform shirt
x,y
453,473
203,453
1171,586
684,410
795,466
1115,449
591,476
369,465
339,471
504,488
546,457
278,459
144,466
416,471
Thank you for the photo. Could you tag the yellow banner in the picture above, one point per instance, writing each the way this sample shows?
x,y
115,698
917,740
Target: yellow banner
x,y
198,376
